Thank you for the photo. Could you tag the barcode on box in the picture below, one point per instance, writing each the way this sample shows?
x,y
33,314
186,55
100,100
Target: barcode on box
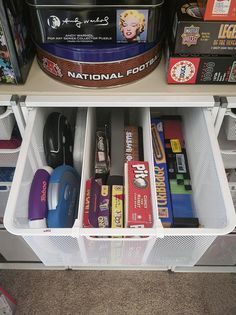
x,y
181,166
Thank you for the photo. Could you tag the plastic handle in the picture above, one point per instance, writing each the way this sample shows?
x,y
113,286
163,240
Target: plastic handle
x,y
118,233
119,238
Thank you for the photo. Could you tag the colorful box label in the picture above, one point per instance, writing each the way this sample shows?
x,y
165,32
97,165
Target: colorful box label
x,y
117,208
97,205
201,70
182,70
175,145
104,207
131,143
138,208
178,171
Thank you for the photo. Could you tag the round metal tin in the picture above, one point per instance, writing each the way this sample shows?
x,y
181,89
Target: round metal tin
x,y
94,74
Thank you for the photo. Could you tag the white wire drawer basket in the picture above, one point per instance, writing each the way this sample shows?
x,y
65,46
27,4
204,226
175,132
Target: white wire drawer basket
x,y
156,246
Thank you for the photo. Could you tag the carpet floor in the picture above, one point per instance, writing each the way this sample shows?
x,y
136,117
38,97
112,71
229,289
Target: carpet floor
x,y
120,292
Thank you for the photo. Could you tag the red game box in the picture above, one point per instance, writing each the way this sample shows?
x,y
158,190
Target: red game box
x,y
202,69
138,207
218,10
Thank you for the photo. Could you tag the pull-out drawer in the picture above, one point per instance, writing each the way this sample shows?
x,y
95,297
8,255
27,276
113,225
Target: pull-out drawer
x,y
154,246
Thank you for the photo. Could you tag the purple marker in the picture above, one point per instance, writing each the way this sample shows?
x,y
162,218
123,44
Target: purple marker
x,y
38,208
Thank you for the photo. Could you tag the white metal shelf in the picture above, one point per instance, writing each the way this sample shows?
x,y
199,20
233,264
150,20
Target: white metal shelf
x,y
38,83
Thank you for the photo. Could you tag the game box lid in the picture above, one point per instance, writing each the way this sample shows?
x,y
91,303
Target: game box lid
x,y
97,52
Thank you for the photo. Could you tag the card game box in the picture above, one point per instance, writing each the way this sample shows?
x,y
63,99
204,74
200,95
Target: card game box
x,y
16,47
104,207
201,69
161,173
138,206
97,204
117,207
218,10
190,34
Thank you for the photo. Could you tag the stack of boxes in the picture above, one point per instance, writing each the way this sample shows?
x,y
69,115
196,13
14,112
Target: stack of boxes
x,y
202,43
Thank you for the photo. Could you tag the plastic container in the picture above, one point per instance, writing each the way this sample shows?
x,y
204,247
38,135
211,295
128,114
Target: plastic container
x,y
7,121
79,246
100,21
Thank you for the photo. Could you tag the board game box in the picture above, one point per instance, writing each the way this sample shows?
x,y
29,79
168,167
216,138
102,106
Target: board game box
x,y
97,205
117,207
202,69
178,172
192,35
161,173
